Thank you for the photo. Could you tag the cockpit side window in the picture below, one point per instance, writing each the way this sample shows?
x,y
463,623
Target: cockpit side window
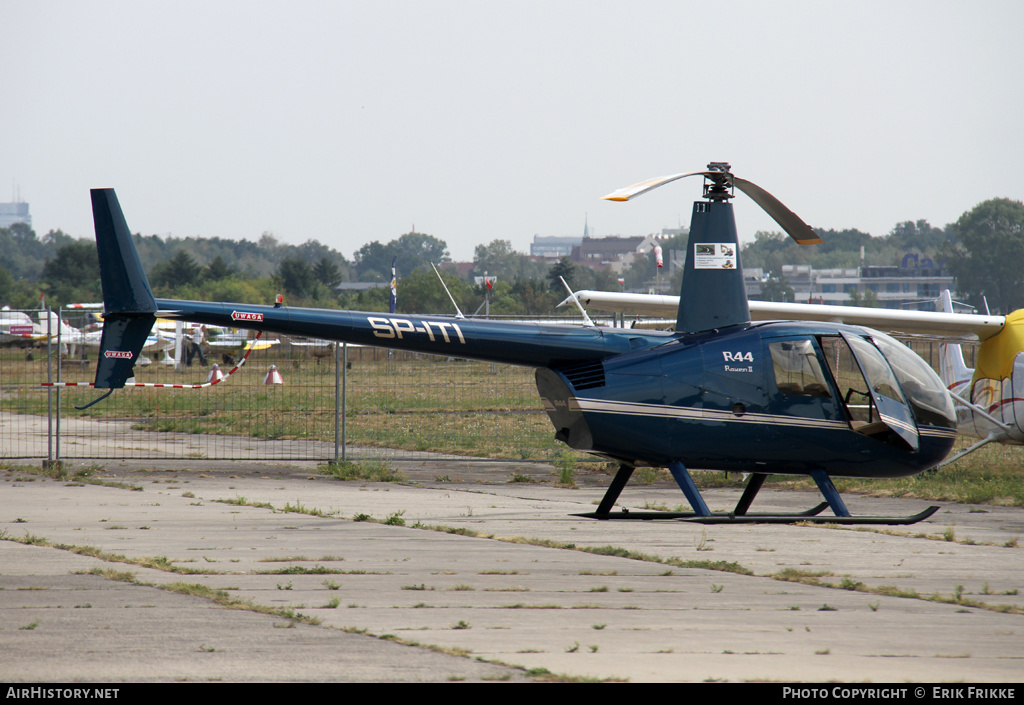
x,y
871,392
797,369
853,388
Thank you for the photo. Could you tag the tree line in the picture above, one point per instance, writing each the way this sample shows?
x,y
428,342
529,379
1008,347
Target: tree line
x,y
983,250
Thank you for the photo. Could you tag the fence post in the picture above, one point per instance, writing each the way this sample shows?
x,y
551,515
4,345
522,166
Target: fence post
x,y
337,383
49,392
60,377
340,398
344,400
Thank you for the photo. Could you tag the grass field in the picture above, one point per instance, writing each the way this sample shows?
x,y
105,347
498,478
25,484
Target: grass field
x,y
421,404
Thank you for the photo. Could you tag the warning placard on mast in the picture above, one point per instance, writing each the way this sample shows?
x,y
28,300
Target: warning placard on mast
x,y
714,255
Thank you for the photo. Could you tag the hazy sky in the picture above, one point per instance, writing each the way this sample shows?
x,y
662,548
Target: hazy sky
x,y
474,120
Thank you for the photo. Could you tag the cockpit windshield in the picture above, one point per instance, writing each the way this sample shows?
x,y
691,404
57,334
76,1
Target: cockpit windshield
x,y
925,392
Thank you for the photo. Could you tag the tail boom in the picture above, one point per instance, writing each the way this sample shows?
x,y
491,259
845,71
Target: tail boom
x,y
492,341
131,309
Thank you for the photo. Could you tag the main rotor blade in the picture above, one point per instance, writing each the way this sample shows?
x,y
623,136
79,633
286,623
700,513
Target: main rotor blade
x,y
628,192
790,221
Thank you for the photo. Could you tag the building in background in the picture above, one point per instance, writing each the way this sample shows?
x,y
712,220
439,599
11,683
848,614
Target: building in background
x,y
914,284
11,213
553,248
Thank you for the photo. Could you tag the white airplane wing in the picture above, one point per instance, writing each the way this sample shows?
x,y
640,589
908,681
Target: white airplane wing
x,y
948,327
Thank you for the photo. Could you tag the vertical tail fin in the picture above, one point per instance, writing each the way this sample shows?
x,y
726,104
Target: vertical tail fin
x,y
128,302
125,287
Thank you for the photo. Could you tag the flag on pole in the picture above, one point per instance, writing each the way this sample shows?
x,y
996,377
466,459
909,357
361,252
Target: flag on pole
x,y
394,286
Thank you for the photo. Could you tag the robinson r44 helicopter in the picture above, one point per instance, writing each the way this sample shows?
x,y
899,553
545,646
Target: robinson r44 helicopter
x,y
719,392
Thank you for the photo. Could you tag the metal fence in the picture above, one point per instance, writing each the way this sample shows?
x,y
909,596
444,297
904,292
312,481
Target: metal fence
x,y
332,402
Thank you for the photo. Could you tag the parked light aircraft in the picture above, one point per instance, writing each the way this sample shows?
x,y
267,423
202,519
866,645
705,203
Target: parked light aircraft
x,y
719,392
18,327
991,396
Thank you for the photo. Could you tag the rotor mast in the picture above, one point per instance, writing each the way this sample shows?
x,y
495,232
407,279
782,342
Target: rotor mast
x,y
713,295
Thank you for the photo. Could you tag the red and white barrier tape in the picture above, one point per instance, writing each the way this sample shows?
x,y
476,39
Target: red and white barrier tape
x,y
167,385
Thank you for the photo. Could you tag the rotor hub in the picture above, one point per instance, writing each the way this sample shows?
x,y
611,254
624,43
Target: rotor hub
x,y
718,182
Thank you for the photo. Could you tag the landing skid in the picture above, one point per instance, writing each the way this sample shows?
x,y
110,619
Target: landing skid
x,y
790,519
626,514
701,514
808,517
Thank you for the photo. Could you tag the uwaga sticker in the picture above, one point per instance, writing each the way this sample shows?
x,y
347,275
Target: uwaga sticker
x,y
714,255
246,316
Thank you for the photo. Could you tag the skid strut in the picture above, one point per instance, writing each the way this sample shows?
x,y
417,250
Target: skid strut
x,y
741,514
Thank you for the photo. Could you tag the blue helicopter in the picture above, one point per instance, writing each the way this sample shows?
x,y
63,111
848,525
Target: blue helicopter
x,y
719,392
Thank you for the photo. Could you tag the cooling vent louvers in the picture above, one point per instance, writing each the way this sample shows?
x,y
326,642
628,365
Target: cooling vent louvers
x,y
585,375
